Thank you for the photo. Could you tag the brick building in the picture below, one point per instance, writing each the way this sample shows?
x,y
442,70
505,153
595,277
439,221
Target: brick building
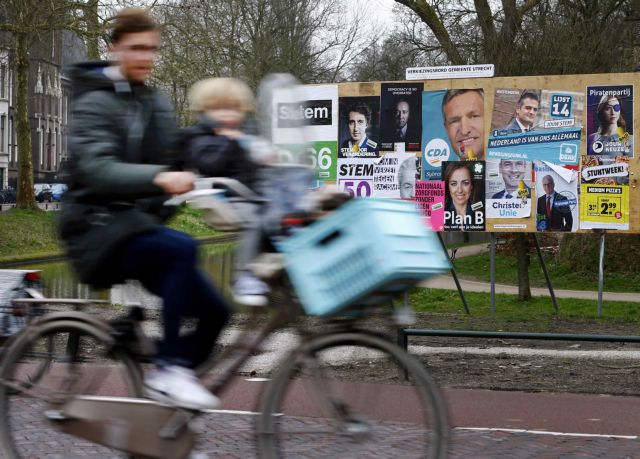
x,y
49,96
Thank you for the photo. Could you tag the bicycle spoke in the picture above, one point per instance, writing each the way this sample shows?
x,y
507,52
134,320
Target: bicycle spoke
x,y
314,408
41,372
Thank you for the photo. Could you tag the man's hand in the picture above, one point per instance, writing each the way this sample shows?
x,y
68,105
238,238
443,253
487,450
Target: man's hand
x,y
175,182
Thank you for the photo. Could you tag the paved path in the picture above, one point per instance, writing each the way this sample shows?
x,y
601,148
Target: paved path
x,y
486,425
447,282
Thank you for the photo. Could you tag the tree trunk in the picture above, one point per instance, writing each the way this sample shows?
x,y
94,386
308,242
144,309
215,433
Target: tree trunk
x,y
93,30
26,197
522,252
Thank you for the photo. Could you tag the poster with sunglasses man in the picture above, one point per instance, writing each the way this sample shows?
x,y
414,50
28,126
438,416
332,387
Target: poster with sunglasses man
x,y
610,120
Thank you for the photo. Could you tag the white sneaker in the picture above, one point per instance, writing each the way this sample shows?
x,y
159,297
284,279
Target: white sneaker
x,y
250,291
178,386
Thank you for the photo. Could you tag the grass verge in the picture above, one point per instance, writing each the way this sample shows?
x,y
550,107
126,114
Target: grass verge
x,y
536,314
29,234
477,267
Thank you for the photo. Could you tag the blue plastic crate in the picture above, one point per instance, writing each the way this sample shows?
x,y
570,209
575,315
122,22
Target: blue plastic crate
x,y
365,250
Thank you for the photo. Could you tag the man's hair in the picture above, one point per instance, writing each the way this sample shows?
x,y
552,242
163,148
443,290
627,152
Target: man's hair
x,y
361,108
206,94
528,95
451,93
550,179
131,20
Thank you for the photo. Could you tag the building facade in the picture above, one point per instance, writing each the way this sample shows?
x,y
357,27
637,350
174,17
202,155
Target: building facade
x,y
49,96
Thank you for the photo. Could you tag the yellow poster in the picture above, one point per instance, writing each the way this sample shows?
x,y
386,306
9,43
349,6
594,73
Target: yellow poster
x,y
604,206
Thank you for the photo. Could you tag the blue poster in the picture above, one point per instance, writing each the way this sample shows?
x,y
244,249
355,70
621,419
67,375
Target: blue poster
x,y
452,128
534,124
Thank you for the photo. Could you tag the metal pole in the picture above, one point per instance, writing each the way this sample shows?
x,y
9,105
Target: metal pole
x,y
601,274
404,344
492,274
546,274
455,275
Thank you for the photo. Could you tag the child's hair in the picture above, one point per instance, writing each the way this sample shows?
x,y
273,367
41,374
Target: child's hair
x,y
210,92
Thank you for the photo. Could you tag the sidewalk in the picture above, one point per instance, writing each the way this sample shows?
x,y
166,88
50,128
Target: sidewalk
x,y
447,282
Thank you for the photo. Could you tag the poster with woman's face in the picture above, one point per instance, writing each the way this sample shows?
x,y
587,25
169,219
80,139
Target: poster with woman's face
x,y
359,127
610,120
464,195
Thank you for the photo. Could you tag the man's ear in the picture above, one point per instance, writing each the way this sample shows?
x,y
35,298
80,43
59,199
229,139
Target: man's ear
x,y
113,53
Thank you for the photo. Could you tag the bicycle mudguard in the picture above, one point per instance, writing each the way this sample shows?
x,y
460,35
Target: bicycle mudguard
x,y
137,426
75,316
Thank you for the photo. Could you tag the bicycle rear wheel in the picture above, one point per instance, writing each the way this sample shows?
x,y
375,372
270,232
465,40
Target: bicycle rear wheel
x,y
314,407
44,366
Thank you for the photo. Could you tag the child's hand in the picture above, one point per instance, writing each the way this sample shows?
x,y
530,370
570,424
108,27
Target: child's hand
x,y
234,134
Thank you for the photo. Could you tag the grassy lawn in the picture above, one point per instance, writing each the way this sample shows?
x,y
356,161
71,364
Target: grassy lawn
x,y
32,233
477,267
534,315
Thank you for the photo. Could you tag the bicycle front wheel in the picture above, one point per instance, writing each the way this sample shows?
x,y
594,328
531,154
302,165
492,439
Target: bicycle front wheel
x,y
345,396
45,366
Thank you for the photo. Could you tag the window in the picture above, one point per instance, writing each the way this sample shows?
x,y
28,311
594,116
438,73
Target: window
x,y
3,136
3,81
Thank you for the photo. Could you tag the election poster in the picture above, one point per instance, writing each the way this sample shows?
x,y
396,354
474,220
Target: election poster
x,y
430,200
534,124
355,175
508,188
394,176
452,128
610,120
401,116
464,195
304,126
604,192
557,193
359,127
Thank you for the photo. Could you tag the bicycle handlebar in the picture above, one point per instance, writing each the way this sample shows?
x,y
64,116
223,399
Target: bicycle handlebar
x,y
205,186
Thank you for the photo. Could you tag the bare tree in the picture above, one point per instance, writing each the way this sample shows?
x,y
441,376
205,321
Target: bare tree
x,y
313,40
23,23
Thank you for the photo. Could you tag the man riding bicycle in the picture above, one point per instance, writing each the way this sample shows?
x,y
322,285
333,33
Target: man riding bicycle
x,y
111,222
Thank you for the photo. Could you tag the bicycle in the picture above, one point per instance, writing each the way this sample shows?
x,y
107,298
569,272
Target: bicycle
x,y
84,376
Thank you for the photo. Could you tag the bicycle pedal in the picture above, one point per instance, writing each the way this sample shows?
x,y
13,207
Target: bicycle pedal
x,y
55,415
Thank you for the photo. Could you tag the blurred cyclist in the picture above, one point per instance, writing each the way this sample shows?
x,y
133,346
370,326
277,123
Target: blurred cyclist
x,y
120,174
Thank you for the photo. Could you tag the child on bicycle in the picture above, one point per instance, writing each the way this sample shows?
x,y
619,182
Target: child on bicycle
x,y
219,146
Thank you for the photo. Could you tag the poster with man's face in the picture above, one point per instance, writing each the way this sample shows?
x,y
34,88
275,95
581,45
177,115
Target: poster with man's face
x,y
394,176
557,197
536,124
452,128
401,116
508,188
359,127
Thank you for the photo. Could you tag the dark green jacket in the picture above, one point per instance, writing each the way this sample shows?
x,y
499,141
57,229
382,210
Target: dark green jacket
x,y
121,136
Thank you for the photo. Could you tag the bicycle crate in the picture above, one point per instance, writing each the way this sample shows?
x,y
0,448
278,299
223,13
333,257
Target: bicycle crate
x,y
364,252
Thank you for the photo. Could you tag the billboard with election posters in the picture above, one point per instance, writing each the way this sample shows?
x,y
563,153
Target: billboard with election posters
x,y
401,116
604,192
308,116
610,120
536,124
359,127
452,128
557,197
508,188
464,195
